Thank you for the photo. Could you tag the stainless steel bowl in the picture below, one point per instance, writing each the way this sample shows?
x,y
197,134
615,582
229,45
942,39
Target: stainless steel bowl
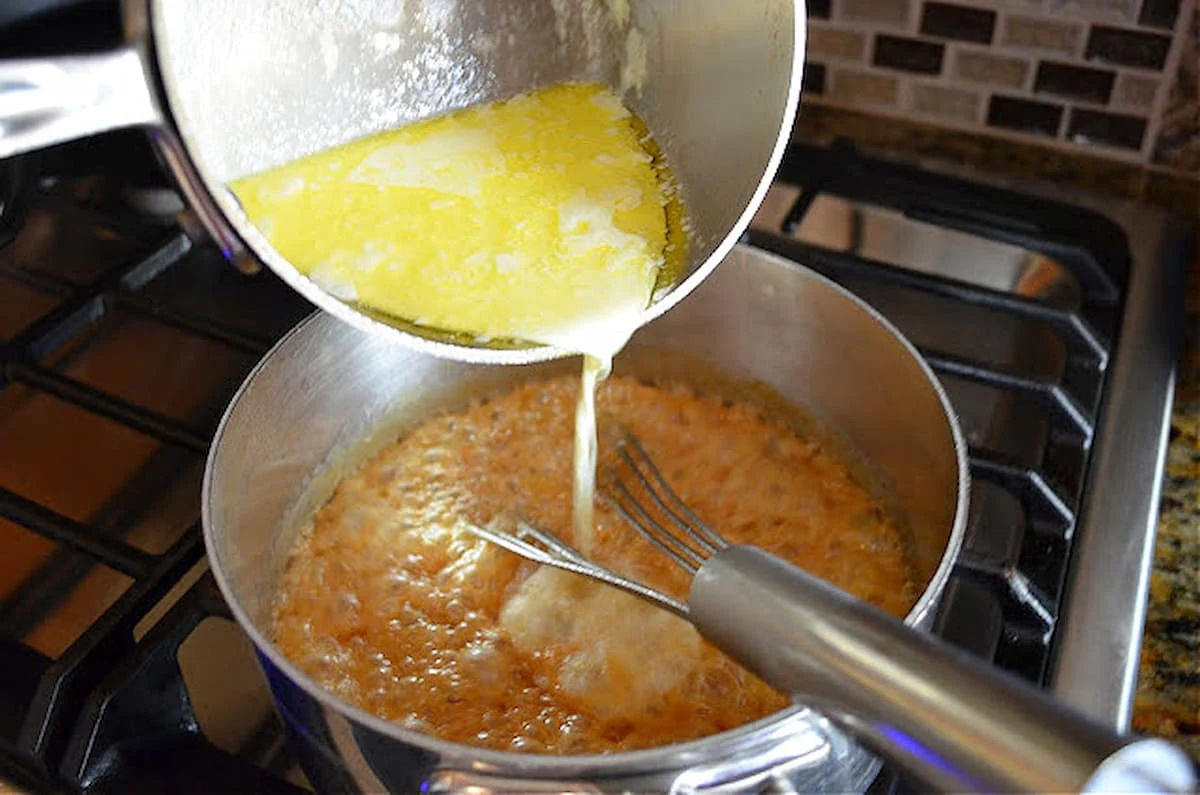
x,y
328,395
234,86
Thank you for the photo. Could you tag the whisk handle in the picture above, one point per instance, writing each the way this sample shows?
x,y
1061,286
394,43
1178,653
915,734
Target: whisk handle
x,y
950,720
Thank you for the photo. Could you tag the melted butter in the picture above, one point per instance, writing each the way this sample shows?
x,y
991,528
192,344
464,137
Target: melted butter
x,y
548,218
583,494
538,219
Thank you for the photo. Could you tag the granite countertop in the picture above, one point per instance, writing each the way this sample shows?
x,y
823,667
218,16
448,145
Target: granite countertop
x,y
1168,697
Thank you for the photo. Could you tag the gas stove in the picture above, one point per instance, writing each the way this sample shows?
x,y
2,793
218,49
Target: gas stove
x,y
1050,319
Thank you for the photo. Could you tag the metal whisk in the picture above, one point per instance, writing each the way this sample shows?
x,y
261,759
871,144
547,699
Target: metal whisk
x,y
677,531
947,718
698,541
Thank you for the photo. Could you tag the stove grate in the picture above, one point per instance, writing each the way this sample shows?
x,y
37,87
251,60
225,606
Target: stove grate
x,y
111,711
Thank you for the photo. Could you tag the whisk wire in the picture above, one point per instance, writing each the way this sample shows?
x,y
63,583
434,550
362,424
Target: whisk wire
x,y
555,552
622,501
646,502
698,541
683,516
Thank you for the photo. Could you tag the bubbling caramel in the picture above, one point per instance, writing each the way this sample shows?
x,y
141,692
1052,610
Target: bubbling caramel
x,y
391,604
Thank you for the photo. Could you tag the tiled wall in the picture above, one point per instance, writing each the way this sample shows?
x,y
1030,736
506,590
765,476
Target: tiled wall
x,y
1097,74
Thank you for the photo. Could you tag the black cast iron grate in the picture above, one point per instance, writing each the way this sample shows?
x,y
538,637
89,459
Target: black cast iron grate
x,y
112,712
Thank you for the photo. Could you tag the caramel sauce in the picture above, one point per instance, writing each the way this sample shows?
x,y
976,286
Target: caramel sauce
x,y
391,604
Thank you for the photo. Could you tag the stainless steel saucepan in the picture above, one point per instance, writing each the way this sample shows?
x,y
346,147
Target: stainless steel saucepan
x,y
316,401
230,87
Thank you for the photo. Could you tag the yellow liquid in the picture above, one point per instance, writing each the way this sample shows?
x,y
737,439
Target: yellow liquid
x,y
545,218
587,450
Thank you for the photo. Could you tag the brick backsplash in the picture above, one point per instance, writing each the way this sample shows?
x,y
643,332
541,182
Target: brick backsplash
x,y
1112,77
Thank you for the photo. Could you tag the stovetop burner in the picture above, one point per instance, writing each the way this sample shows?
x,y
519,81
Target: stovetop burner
x,y
1048,322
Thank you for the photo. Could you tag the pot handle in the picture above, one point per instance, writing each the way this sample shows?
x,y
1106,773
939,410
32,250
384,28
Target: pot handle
x,y
952,721
46,101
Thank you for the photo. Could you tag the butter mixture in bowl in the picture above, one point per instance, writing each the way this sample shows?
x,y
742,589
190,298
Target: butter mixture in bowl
x,y
546,218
